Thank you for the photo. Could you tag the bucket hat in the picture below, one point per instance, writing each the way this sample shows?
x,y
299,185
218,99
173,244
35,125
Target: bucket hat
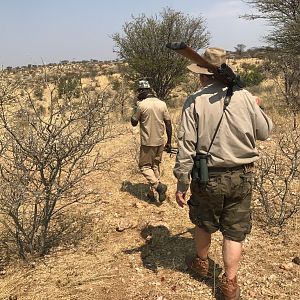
x,y
214,56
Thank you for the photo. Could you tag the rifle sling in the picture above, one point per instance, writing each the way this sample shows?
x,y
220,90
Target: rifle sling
x,y
227,99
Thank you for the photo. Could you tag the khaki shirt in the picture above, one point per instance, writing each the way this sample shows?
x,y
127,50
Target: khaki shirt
x,y
235,143
151,113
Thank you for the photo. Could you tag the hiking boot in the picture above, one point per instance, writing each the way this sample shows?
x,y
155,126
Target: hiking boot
x,y
198,265
151,197
161,190
230,288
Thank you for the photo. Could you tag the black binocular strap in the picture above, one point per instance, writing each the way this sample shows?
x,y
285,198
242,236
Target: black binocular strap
x,y
227,99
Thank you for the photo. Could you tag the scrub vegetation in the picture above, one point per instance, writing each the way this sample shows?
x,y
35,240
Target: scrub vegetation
x,y
75,222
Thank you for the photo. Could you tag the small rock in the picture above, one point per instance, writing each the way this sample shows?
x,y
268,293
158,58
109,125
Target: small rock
x,y
148,237
287,266
137,205
252,294
296,260
121,227
273,276
126,225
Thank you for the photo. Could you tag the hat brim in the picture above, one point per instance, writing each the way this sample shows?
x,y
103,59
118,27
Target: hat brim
x,y
198,70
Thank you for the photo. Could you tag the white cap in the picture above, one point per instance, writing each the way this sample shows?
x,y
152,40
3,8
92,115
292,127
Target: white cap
x,y
143,84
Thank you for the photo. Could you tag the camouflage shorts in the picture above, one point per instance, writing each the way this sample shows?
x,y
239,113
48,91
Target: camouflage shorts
x,y
224,204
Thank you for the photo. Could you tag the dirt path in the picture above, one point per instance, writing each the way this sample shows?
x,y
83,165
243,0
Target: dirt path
x,y
128,248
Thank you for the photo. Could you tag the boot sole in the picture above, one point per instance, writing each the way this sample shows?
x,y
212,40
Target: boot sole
x,y
162,195
151,198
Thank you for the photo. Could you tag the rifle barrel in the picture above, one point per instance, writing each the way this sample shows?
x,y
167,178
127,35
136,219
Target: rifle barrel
x,y
176,45
226,71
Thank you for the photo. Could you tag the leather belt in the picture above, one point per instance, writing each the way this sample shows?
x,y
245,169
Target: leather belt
x,y
245,167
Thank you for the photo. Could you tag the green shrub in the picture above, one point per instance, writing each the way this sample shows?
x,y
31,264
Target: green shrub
x,y
251,74
69,87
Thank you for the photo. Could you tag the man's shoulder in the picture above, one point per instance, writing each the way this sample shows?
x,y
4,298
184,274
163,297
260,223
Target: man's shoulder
x,y
207,90
246,95
153,98
213,88
154,101
190,100
204,93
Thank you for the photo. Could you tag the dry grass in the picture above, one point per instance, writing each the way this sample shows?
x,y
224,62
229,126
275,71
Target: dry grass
x,y
131,249
124,247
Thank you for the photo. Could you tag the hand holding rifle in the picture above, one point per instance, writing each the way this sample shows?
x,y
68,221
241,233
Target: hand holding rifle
x,y
171,150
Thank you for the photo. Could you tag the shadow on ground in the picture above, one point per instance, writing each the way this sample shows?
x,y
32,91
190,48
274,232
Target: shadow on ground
x,y
163,250
138,190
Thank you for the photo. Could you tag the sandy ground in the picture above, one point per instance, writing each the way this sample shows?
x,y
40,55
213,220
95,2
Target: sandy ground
x,y
128,248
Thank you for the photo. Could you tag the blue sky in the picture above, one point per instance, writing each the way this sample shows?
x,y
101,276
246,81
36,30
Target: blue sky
x,y
36,31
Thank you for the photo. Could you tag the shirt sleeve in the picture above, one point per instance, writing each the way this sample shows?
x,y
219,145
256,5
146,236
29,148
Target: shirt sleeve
x,y
187,141
264,124
166,114
137,114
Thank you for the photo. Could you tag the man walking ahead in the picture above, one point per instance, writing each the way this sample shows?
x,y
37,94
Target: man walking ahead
x,y
223,201
154,118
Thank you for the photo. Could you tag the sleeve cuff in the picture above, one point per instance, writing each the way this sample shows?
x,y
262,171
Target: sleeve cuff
x,y
182,187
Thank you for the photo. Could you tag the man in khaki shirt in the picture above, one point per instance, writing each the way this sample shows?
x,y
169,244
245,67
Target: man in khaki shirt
x,y
154,118
223,203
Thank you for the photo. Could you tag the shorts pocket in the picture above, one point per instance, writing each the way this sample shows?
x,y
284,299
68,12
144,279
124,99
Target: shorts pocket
x,y
246,184
213,185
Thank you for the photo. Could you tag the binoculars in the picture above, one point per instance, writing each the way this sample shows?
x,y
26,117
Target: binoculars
x,y
200,169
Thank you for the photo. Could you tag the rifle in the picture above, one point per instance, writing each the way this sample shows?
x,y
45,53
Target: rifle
x,y
223,73
172,150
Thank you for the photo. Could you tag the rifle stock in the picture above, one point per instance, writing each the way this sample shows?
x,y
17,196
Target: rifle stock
x,y
224,73
191,54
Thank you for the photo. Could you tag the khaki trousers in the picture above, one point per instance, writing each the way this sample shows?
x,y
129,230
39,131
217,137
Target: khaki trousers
x,y
149,161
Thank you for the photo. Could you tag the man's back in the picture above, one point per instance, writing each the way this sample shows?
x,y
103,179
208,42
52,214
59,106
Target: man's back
x,y
242,124
152,113
221,188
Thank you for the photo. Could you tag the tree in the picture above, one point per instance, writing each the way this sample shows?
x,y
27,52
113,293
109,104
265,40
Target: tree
x,y
277,180
44,159
284,53
68,86
143,47
240,48
251,74
278,172
121,87
285,69
284,17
